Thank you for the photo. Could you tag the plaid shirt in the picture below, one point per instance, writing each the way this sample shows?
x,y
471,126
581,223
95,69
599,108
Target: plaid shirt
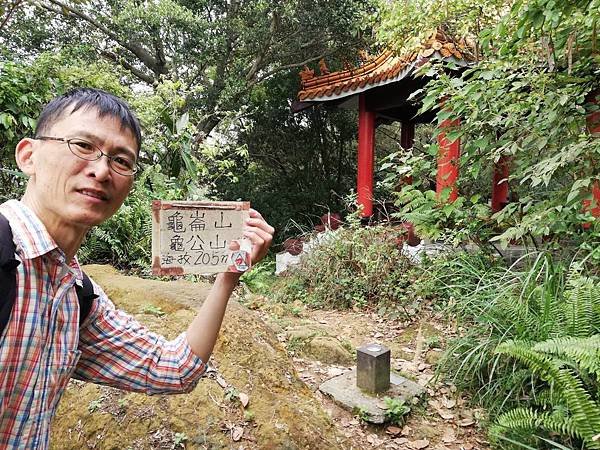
x,y
42,346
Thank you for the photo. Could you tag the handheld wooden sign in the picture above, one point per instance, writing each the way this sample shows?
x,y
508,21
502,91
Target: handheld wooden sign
x,y
199,237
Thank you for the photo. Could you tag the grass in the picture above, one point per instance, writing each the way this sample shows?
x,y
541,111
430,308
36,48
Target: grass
x,y
493,305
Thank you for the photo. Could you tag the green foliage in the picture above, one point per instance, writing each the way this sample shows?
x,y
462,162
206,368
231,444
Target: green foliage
x,y
547,318
180,439
354,267
222,51
261,277
232,395
534,117
211,83
526,100
154,310
569,408
362,414
23,90
249,415
95,405
406,24
464,220
298,165
396,410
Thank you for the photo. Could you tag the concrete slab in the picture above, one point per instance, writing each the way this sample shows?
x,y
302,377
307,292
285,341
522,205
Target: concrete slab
x,y
511,254
284,260
344,391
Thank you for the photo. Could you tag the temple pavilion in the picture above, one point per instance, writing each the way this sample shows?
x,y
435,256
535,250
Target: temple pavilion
x,y
380,89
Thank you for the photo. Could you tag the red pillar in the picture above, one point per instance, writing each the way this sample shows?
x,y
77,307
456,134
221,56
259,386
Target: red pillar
x,y
366,156
407,141
449,152
593,205
593,125
593,119
500,184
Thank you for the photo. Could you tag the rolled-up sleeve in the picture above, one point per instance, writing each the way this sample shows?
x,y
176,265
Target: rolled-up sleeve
x,y
118,351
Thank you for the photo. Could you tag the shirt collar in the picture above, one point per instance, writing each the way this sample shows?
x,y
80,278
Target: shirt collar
x,y
30,234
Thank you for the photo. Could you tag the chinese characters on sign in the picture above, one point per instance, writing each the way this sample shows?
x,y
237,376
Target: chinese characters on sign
x,y
199,237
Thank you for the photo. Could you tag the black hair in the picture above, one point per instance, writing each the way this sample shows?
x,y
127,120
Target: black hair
x,y
88,98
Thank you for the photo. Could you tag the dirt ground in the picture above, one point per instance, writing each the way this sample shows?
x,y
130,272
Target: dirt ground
x,y
442,420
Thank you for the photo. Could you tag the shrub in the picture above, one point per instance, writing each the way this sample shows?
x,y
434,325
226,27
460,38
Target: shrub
x,y
352,267
261,277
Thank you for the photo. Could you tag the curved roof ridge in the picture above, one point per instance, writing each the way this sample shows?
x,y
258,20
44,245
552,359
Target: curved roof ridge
x,y
385,68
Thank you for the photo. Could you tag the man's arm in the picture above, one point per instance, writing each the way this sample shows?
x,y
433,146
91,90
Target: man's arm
x,y
204,329
118,351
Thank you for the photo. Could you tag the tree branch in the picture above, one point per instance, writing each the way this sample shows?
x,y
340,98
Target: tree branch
x,y
13,7
140,52
290,66
134,70
256,64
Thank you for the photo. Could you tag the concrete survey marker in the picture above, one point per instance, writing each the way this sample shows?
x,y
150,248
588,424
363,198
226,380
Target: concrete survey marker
x,y
346,393
197,237
365,387
373,368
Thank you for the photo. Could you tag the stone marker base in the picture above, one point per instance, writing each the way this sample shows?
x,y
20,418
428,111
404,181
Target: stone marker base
x,y
344,391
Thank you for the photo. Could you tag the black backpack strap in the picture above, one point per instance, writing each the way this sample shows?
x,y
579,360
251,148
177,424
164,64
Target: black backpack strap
x,y
8,279
86,297
8,265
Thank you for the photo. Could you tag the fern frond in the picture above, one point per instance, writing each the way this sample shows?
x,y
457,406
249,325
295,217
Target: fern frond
x,y
584,411
518,419
522,419
581,307
585,352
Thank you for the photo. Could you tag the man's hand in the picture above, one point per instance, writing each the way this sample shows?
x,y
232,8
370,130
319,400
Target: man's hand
x,y
260,233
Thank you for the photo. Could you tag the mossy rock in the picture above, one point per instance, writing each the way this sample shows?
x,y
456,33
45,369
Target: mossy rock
x,y
313,342
283,410
328,350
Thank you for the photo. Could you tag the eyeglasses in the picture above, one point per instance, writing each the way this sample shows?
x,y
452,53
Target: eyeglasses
x,y
122,163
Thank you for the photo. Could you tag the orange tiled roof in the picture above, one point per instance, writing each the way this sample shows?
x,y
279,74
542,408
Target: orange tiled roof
x,y
384,69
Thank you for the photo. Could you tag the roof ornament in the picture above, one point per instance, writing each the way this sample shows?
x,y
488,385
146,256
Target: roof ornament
x,y
307,74
323,67
387,67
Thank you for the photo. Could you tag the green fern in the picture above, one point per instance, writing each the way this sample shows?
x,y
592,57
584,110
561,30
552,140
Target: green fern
x,y
527,419
582,307
585,352
583,413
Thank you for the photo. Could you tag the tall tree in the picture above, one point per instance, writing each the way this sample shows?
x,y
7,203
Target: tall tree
x,y
219,50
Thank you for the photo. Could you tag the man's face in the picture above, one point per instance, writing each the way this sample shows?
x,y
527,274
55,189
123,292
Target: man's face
x,y
66,190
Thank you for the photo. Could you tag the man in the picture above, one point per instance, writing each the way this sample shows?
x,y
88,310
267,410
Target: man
x,y
80,167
